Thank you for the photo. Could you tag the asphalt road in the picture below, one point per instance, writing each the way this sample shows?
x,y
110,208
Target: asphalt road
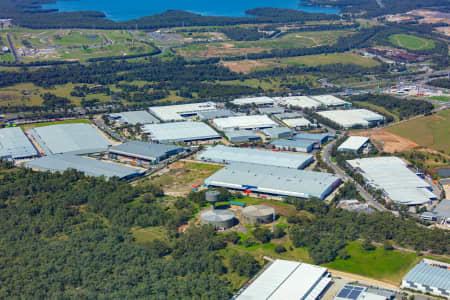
x,y
326,156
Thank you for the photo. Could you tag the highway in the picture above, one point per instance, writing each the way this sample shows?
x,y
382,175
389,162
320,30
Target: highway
x,y
326,156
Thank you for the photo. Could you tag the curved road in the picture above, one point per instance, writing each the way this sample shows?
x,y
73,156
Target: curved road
x,y
326,156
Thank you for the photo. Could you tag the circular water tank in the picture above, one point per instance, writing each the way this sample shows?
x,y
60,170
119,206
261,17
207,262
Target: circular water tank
x,y
219,218
258,214
212,196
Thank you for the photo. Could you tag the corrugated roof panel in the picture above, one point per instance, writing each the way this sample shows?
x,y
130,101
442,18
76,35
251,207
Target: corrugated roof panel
x,y
432,276
14,144
180,131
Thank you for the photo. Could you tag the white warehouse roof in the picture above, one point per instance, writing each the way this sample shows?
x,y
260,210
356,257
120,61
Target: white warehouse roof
x,y
392,175
76,138
300,101
297,122
179,112
14,144
134,117
224,154
287,280
349,118
244,122
329,100
273,180
253,100
180,132
353,143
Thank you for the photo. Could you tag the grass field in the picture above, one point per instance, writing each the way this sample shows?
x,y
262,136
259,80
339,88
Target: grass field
x,y
35,125
431,131
237,48
180,176
411,42
441,98
379,264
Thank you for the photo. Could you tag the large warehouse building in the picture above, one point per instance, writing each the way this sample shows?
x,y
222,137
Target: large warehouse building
x,y
15,145
242,136
330,100
91,167
152,153
134,117
300,102
391,175
353,144
226,155
187,131
272,180
429,277
253,101
294,145
297,122
288,280
77,138
182,111
353,117
244,122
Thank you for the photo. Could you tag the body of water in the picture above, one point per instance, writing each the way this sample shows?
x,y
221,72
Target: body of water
x,y
444,172
127,10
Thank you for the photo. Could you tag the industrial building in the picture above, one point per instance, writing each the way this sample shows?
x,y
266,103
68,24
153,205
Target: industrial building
x,y
353,117
76,138
277,132
226,155
429,277
219,218
272,180
288,280
297,122
134,117
214,114
91,167
392,176
187,131
330,100
300,102
146,152
244,122
271,110
441,213
253,101
182,111
258,214
242,136
15,145
317,138
353,144
294,145
355,292
288,115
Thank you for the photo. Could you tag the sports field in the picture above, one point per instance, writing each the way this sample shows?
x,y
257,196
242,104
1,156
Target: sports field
x,y
430,131
411,42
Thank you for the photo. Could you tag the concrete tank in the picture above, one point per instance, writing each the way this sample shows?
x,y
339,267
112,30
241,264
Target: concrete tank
x,y
219,218
212,197
258,214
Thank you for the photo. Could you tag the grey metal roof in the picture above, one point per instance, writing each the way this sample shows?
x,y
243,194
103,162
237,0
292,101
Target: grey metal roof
x,y
316,137
14,144
217,215
442,210
293,143
91,167
241,135
145,150
180,132
224,154
276,132
432,276
77,138
212,114
271,110
391,175
135,117
289,115
274,180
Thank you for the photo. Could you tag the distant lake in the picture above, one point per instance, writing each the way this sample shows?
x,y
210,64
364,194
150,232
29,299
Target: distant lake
x,y
133,9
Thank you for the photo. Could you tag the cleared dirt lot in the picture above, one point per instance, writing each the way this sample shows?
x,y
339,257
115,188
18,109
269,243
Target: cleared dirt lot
x,y
387,141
